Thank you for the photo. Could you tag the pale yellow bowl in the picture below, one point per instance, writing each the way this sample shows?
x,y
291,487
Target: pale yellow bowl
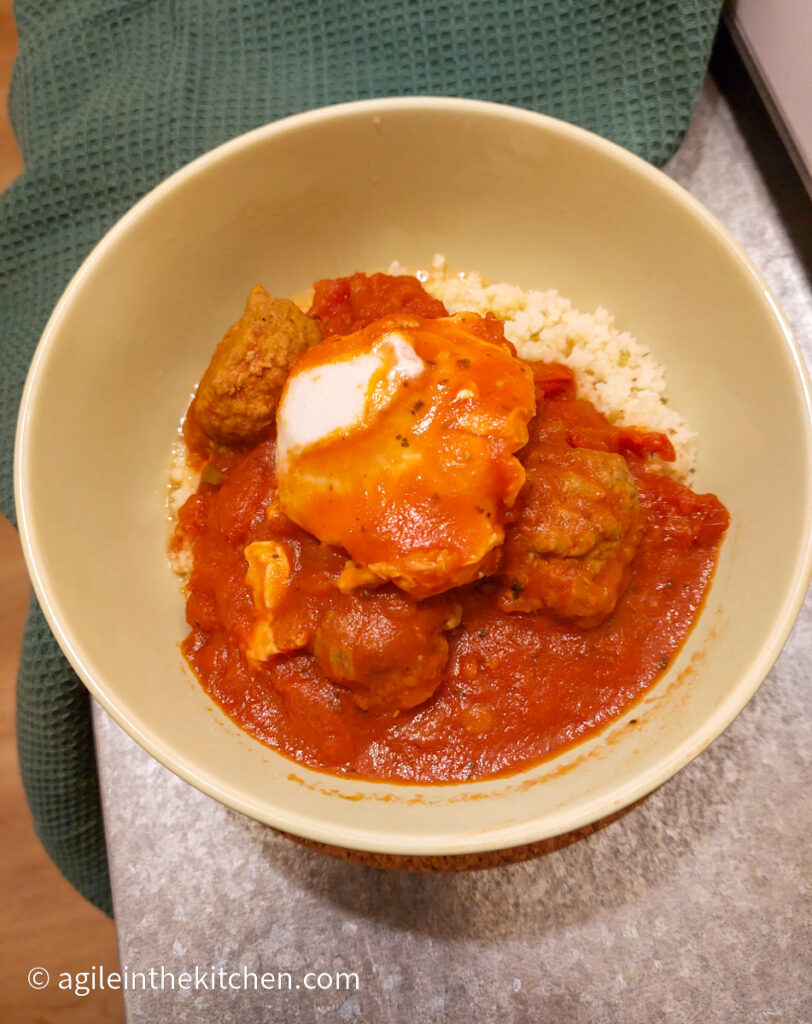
x,y
519,198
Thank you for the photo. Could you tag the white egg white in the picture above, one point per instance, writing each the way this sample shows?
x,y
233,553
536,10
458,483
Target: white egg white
x,y
346,396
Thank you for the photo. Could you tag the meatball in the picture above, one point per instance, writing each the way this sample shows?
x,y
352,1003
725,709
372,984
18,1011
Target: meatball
x,y
577,530
239,392
386,648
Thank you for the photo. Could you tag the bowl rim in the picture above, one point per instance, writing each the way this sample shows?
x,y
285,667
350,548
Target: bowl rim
x,y
562,821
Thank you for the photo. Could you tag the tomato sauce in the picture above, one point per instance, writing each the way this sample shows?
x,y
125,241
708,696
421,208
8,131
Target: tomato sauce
x,y
517,687
347,304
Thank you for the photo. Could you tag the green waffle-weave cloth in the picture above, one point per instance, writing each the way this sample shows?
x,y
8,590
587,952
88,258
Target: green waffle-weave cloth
x,y
109,96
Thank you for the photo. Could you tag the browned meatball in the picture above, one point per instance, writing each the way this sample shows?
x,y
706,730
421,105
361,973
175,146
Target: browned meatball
x,y
578,528
240,390
386,648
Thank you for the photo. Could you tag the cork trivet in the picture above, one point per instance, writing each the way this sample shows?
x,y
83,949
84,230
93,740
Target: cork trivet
x,y
462,861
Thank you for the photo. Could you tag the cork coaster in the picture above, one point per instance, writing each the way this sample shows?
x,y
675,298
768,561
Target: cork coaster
x,y
463,861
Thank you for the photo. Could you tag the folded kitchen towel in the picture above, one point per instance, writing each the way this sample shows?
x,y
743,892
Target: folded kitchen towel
x,y
110,96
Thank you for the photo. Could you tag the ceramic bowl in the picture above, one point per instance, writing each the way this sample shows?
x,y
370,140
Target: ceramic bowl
x,y
520,198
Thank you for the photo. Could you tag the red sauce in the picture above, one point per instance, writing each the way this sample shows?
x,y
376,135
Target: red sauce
x,y
517,688
345,304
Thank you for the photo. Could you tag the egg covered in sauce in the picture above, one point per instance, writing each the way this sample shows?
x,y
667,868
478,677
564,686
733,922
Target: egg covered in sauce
x,y
397,443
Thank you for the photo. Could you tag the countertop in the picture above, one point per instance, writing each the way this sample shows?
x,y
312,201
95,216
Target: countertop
x,y
688,908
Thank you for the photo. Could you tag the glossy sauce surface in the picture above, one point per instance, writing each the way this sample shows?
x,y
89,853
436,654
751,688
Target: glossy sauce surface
x,y
517,687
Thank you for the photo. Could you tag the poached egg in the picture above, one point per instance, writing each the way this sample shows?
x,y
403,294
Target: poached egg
x,y
397,443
